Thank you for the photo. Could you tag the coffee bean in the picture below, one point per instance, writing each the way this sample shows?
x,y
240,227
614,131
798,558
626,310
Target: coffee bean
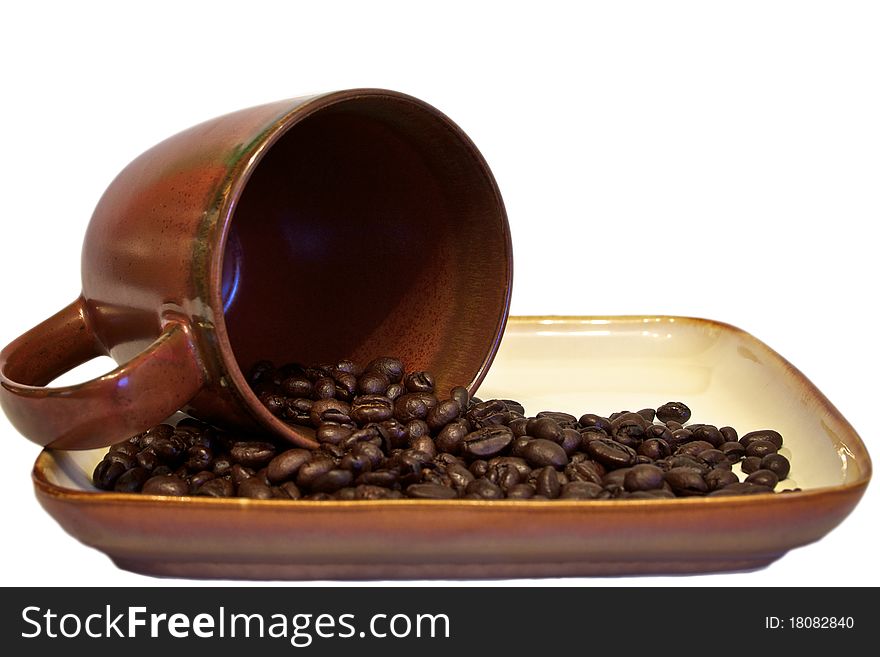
x,y
132,480
750,464
488,413
714,458
165,485
760,448
372,383
741,488
708,433
275,404
285,465
562,419
217,487
777,464
383,478
674,411
346,387
545,428
324,388
430,492
580,490
484,489
540,453
310,471
460,394
611,454
643,477
514,406
106,473
329,410
654,448
589,420
332,481
766,478
298,411
546,481
442,414
255,489
585,471
419,382
570,441
521,492
693,448
763,434
252,454
686,482
487,442
719,478
413,406
452,436
392,368
729,434
733,450
297,386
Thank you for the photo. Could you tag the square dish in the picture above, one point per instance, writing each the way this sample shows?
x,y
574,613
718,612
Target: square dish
x,y
575,364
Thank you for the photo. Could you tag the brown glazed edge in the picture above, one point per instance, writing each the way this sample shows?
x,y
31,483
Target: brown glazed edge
x,y
229,194
810,515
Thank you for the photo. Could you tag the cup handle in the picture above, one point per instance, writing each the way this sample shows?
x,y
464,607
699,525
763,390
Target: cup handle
x,y
130,399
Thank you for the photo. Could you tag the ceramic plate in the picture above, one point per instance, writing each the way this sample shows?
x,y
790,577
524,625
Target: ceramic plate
x,y
574,364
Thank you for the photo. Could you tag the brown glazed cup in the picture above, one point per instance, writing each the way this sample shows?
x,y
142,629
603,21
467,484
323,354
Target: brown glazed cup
x,y
351,224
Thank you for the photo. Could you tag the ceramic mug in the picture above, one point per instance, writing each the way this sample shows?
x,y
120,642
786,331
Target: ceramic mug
x,y
350,224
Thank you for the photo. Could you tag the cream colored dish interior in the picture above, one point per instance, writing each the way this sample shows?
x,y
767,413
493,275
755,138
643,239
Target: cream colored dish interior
x,y
602,365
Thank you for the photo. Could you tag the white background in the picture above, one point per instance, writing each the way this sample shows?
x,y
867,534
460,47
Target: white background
x,y
696,158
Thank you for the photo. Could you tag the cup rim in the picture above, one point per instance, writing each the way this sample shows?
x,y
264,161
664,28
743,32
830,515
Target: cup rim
x,y
230,369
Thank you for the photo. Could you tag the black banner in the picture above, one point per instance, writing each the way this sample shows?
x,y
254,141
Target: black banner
x,y
433,621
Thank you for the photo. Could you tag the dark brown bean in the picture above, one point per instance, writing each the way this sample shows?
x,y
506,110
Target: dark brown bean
x,y
674,411
487,442
611,454
540,453
167,485
760,448
255,489
252,454
777,464
766,478
580,490
643,477
392,368
287,464
763,434
442,414
431,492
686,482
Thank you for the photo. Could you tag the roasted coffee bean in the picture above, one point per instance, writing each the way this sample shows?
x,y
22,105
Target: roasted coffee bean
x,y
693,448
519,426
419,382
106,473
643,477
680,437
346,387
629,429
165,485
148,459
777,464
487,413
674,411
589,421
741,488
540,453
460,476
125,459
252,454
297,386
332,481
198,458
719,478
347,367
479,468
199,478
329,410
762,478
372,383
654,448
580,490
430,492
686,461
298,411
413,406
686,482
275,404
570,441
521,492
487,442
417,429
545,428
451,437
308,472
518,444
729,434
484,489
611,454
132,480
332,433
460,394
562,419
760,448
392,368
383,478
708,433
714,458
763,434
514,406
648,414
585,471
733,450
371,408
615,479
170,449
367,492
546,481
750,464
504,475
255,489
125,447
442,414
394,434
217,487
424,444
261,371
324,388
285,465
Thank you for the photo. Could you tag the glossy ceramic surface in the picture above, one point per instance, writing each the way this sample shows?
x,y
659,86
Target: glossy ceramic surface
x,y
572,364
352,224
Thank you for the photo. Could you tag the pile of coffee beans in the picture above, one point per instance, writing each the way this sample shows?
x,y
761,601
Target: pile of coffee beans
x,y
385,434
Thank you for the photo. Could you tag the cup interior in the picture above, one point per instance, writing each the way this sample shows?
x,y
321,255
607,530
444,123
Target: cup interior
x,y
370,227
